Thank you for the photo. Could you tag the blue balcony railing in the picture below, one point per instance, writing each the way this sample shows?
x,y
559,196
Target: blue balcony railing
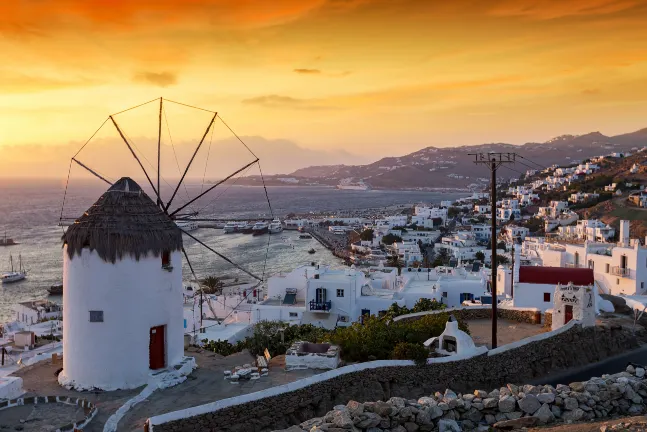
x,y
320,306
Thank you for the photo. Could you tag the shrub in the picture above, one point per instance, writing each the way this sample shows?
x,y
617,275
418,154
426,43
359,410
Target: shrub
x,y
375,338
410,351
276,336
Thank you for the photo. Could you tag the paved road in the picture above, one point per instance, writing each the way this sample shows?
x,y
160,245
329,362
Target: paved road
x,y
609,366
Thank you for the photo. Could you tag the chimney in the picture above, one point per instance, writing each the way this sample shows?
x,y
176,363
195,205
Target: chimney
x,y
624,233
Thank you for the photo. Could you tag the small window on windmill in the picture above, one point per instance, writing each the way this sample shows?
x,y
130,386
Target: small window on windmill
x,y
96,316
166,260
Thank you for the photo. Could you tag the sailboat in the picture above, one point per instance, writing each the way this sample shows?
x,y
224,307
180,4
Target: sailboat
x,y
14,276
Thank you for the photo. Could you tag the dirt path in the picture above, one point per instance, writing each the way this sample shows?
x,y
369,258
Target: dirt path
x,y
507,331
622,424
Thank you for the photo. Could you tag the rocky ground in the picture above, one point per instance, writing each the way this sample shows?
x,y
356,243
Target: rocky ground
x,y
508,408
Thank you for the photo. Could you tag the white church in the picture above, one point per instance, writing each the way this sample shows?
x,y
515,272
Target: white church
x,y
122,278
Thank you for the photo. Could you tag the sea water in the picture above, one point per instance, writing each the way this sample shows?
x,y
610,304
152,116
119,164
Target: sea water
x,y
30,212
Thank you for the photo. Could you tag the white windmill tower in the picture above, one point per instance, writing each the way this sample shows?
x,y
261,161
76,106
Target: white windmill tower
x,y
123,294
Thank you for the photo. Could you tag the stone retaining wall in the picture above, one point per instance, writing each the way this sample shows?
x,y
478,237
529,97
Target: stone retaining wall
x,y
89,409
510,407
518,363
548,319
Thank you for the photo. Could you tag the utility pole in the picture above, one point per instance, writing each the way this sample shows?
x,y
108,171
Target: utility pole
x,y
512,279
493,161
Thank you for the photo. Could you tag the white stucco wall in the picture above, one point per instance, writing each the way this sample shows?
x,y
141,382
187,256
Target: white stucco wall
x,y
311,361
10,387
134,296
291,314
528,295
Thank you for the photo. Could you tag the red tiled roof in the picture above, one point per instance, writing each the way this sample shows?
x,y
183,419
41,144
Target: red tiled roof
x,y
555,275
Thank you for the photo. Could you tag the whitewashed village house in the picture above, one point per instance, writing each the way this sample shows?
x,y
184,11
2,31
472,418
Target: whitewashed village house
x,y
122,273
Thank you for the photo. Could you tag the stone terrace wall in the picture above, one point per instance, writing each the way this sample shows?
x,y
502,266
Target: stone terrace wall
x,y
548,319
515,363
526,315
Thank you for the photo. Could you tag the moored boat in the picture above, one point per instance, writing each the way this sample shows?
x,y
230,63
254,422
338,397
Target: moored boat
x,y
7,241
275,227
56,289
14,276
260,228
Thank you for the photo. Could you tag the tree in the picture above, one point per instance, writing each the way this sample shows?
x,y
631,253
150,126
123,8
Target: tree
x,y
480,256
501,245
389,239
500,259
212,285
367,235
453,211
395,261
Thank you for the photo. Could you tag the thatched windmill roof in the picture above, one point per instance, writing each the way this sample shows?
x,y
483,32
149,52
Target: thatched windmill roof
x,y
124,221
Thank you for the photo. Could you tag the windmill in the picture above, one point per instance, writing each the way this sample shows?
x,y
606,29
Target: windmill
x,y
178,212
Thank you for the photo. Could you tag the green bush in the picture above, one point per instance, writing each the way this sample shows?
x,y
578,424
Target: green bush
x,y
376,338
410,351
276,336
422,305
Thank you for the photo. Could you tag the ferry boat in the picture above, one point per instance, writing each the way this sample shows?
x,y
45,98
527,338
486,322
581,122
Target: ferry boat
x,y
311,251
230,227
305,236
246,227
187,225
14,276
260,228
275,227
348,184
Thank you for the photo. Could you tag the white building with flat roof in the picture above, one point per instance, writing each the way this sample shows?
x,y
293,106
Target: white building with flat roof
x,y
462,245
592,230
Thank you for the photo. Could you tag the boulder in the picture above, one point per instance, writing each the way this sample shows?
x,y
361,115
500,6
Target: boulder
x,y
355,408
570,403
546,398
428,401
369,419
574,415
544,414
341,419
507,404
577,386
490,403
523,422
640,372
448,426
529,404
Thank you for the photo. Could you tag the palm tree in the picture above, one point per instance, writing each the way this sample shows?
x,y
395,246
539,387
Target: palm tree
x,y
212,285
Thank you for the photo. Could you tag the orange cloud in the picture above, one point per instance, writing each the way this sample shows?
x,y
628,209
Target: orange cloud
x,y
550,9
307,71
159,79
44,16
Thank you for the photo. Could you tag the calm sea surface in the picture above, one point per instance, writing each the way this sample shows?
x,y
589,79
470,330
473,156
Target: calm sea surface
x,y
30,212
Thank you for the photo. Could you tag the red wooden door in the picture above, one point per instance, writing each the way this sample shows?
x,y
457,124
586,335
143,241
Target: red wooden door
x,y
156,347
568,313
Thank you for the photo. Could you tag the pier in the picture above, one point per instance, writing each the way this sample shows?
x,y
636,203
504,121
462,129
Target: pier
x,y
336,243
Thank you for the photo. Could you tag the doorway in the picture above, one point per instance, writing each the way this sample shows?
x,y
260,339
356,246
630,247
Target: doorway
x,y
568,313
157,348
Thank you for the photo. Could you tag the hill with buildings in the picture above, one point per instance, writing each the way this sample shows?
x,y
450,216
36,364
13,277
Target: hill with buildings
x,y
434,168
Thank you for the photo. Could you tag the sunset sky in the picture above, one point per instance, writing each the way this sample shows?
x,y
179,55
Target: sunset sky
x,y
369,77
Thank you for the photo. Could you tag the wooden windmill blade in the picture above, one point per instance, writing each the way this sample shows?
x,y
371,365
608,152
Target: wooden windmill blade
x,y
155,181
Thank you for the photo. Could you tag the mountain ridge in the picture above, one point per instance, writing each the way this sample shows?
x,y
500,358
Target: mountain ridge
x,y
433,168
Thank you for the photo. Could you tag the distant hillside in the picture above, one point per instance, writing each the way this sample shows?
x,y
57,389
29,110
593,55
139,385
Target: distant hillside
x,y
451,167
